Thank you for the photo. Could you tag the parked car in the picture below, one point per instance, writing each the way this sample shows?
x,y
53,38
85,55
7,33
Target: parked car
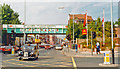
x,y
42,45
7,49
2,48
58,47
47,46
28,52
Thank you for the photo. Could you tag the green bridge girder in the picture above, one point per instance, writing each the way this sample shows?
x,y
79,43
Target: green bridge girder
x,y
40,29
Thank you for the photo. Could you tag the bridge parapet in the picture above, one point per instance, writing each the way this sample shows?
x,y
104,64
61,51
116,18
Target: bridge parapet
x,y
35,28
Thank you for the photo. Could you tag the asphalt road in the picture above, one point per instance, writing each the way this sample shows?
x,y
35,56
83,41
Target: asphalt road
x,y
47,58
52,58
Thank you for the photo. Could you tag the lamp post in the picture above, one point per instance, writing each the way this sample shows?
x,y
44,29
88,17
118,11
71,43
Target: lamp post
x,y
62,7
24,20
73,28
112,34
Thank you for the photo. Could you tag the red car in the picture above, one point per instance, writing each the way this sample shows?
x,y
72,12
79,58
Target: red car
x,y
8,49
42,46
47,46
2,48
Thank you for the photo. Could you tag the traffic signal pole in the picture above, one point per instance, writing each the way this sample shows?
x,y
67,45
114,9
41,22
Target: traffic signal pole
x,y
91,44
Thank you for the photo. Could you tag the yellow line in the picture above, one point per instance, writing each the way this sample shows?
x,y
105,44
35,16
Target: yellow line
x,y
74,64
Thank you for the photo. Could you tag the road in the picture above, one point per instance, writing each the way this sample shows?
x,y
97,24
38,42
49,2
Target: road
x,y
47,58
52,58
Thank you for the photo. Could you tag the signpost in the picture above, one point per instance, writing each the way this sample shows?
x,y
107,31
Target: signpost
x,y
84,31
106,58
37,40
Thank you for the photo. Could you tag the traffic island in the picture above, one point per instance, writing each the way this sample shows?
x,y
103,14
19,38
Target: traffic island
x,y
108,65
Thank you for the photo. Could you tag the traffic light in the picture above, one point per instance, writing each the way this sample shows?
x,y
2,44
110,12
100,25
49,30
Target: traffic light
x,y
69,37
13,35
93,35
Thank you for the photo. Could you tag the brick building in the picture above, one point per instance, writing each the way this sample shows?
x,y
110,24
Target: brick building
x,y
80,17
117,35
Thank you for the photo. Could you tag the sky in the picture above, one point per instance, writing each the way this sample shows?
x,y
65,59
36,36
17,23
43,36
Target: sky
x,y
47,12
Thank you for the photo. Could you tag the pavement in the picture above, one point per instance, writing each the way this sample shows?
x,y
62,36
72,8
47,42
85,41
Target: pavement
x,y
73,53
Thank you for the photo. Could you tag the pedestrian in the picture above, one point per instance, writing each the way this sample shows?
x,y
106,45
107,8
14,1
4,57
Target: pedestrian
x,y
76,47
98,47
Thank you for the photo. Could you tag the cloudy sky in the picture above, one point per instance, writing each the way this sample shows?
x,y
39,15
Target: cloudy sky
x,y
47,12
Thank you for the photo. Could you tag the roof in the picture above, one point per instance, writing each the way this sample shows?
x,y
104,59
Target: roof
x,y
80,16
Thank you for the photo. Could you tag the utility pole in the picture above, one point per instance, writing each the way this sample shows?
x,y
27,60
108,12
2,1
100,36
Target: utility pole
x,y
73,28
103,29
87,28
91,44
24,21
112,34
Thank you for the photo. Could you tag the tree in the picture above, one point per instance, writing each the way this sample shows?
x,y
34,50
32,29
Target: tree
x,y
118,22
77,30
8,16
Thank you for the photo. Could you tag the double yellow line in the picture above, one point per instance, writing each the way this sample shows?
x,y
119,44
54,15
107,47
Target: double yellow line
x,y
74,64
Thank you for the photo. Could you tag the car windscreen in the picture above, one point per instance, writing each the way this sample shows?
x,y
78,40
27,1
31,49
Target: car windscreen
x,y
8,47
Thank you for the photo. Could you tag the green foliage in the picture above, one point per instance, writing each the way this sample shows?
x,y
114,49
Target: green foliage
x,y
77,30
94,26
118,22
8,16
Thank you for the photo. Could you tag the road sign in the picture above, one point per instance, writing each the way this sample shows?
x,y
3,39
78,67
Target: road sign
x,y
37,40
106,58
84,31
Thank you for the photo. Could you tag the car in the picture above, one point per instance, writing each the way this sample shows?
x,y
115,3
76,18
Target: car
x,y
58,47
7,49
42,45
47,46
51,46
54,45
2,48
28,52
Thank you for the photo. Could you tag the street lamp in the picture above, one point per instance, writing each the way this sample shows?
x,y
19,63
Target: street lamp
x,y
112,34
24,20
62,7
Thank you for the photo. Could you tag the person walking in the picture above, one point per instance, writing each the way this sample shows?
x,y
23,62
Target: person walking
x,y
76,47
98,47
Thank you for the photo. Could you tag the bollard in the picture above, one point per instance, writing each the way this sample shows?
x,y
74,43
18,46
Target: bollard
x,y
12,51
106,58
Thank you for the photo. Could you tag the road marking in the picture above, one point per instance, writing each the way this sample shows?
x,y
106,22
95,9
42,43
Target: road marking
x,y
74,64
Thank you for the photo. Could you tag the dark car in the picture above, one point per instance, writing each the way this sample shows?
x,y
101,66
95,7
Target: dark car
x,y
28,52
